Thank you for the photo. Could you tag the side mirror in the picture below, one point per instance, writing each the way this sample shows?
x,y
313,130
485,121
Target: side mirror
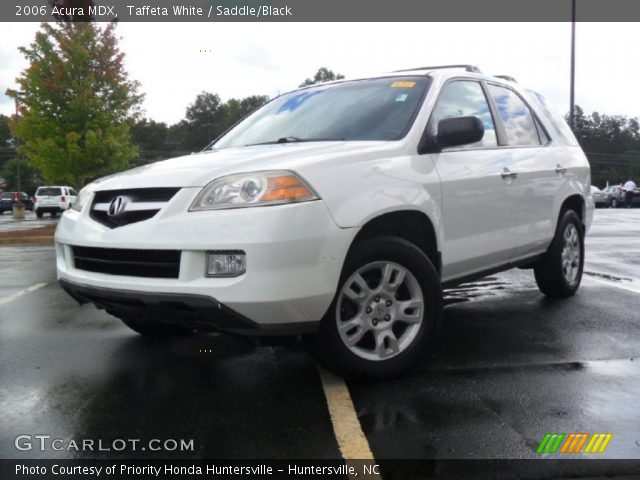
x,y
459,131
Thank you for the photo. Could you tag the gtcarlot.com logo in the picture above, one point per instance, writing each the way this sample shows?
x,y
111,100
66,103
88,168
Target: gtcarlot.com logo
x,y
45,442
573,443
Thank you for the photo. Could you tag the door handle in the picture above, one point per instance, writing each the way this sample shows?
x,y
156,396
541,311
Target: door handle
x,y
560,169
506,173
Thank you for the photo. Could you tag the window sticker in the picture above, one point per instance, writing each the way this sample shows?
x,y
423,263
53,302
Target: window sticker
x,y
402,97
403,84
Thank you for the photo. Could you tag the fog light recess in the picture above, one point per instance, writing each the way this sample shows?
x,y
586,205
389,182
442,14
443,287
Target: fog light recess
x,y
226,264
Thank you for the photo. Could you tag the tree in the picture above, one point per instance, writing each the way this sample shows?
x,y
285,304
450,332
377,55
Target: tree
x,y
76,104
235,110
322,75
202,119
612,144
5,133
207,118
29,176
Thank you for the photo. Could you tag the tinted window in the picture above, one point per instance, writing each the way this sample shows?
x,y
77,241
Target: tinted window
x,y
376,109
72,192
52,192
518,121
463,99
6,195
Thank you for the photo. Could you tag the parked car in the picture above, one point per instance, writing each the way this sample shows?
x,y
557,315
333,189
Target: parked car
x,y
600,198
618,196
7,199
339,212
54,200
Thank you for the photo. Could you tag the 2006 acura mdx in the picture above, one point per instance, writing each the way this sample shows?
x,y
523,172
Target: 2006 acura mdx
x,y
339,212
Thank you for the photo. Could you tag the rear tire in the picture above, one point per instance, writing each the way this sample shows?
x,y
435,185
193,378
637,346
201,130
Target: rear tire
x,y
386,312
39,213
154,329
54,214
559,272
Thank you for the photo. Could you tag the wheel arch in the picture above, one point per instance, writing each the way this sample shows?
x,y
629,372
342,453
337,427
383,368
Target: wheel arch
x,y
413,226
576,203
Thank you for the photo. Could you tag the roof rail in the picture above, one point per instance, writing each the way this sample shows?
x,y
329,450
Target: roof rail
x,y
506,77
468,68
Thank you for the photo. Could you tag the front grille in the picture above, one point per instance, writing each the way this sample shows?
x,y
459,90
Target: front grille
x,y
141,204
130,262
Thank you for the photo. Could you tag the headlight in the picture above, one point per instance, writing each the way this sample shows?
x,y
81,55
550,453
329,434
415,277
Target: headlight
x,y
81,199
253,190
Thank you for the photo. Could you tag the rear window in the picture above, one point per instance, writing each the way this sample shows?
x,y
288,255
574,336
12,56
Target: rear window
x,y
6,195
48,192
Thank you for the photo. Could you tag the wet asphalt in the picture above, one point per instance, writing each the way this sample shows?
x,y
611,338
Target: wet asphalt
x,y
509,367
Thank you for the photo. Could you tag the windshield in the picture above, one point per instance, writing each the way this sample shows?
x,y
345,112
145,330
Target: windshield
x,y
375,109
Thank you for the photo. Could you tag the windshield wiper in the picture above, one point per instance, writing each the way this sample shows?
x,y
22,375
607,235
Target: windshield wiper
x,y
296,140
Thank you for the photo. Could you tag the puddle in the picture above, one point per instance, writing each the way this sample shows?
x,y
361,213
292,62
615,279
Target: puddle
x,y
607,276
487,287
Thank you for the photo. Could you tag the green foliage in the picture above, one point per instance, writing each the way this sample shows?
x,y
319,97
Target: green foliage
x,y
76,104
29,176
5,132
612,144
207,118
322,75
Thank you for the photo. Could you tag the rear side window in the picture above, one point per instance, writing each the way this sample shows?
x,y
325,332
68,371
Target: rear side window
x,y
519,123
558,127
463,98
49,192
72,192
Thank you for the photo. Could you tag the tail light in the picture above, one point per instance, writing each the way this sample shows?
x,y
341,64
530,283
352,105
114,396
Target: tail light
x,y
62,198
16,197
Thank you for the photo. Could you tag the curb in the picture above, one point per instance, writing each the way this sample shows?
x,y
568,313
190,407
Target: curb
x,y
42,240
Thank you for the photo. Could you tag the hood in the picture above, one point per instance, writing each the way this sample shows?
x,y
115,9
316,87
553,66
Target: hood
x,y
199,169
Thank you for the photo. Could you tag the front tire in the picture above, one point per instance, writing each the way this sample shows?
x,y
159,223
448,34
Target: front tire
x,y
559,272
386,312
39,213
154,329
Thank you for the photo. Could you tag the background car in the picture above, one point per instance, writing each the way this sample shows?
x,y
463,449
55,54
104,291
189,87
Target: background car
x,y
54,199
7,199
600,198
618,195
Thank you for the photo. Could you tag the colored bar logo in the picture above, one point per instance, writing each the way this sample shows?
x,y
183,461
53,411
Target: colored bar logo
x,y
574,443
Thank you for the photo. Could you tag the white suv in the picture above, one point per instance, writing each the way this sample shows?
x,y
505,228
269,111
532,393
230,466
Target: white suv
x,y
339,212
53,200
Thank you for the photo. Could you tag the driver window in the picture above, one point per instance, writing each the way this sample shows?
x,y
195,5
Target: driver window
x,y
462,99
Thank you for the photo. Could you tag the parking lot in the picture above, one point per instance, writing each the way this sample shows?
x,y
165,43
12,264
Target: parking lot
x,y
510,366
8,223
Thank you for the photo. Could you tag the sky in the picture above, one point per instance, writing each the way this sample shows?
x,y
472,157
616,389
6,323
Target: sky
x,y
176,61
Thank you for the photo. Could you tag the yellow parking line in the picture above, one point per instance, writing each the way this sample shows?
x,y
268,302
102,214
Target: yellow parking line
x,y
352,442
19,294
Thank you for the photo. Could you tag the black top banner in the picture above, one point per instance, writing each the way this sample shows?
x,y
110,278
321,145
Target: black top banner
x,y
321,10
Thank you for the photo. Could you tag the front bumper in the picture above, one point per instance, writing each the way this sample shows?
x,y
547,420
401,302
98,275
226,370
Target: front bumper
x,y
294,257
196,311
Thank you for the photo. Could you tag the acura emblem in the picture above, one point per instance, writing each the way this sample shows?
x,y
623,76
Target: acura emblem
x,y
117,206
